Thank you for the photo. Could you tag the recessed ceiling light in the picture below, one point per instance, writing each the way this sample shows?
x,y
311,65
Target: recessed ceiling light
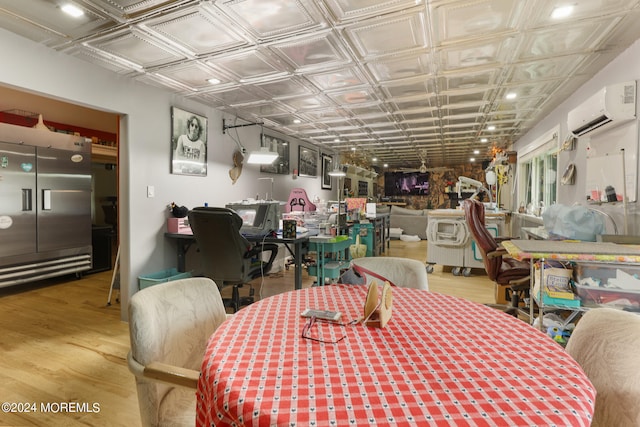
x,y
491,127
72,10
511,95
483,140
214,81
562,12
336,140
476,151
296,121
353,148
386,165
375,159
472,159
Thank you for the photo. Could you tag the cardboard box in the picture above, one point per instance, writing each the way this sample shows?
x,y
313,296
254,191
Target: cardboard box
x,y
178,225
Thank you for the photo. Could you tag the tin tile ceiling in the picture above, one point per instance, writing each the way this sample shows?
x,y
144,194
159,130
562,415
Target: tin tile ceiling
x,y
400,81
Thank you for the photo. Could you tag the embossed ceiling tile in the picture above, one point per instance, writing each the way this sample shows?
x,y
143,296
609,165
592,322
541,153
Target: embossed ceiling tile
x,y
394,68
135,48
266,19
238,96
265,109
250,65
470,79
306,103
367,110
325,115
42,21
337,79
417,86
542,12
192,74
132,9
353,96
483,53
285,88
195,31
283,120
422,103
349,10
90,56
550,68
574,38
453,98
455,21
319,51
392,34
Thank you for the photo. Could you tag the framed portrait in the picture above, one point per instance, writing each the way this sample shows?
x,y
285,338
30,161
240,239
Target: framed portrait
x,y
327,166
307,161
281,164
188,143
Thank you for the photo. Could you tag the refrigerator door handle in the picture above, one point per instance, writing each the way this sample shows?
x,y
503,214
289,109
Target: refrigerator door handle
x,y
46,200
27,204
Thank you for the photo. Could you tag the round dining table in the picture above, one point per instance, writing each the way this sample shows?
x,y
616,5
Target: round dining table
x,y
440,360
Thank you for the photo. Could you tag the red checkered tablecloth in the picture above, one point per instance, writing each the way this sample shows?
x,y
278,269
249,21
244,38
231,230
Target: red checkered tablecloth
x,y
440,360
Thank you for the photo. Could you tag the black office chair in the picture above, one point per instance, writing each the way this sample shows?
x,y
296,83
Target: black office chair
x,y
226,256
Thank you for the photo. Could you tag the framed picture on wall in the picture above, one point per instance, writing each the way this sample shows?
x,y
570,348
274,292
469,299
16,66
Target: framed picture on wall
x,y
363,188
307,161
327,166
188,143
281,164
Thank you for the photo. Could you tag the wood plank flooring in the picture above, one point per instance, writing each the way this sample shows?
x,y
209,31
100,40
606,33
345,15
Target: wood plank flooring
x,y
61,343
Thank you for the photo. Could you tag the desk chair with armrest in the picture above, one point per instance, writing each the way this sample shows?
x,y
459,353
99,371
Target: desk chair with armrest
x,y
503,270
227,257
169,325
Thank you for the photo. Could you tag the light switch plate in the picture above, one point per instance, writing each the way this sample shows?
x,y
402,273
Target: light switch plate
x,y
151,191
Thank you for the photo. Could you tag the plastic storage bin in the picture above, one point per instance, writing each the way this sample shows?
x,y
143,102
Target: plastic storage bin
x,y
605,273
161,277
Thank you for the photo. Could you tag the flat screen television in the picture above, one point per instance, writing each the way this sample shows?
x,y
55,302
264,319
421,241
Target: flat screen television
x,y
406,183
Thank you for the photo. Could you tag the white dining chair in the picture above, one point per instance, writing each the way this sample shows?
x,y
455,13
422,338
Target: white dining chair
x,y
403,272
606,344
169,325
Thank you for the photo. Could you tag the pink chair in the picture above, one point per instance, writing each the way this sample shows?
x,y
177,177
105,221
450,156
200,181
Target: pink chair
x,y
298,201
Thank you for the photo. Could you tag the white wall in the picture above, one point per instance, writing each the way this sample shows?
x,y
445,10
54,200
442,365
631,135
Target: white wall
x,y
145,150
625,67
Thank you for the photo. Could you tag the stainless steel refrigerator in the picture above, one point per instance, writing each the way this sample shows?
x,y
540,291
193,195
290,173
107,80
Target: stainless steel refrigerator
x,y
45,204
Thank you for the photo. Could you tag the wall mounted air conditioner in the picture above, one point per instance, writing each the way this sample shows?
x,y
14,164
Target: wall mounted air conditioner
x,y
610,106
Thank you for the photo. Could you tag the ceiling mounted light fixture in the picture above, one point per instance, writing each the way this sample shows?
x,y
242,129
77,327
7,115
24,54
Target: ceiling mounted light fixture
x,y
72,10
263,156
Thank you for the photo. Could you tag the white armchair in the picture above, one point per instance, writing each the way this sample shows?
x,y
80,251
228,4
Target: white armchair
x,y
606,344
169,325
403,272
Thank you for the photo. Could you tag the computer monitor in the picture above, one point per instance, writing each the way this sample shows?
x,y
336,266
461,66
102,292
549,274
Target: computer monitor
x,y
258,218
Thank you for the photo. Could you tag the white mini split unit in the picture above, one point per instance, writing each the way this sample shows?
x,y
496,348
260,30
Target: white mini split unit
x,y
609,107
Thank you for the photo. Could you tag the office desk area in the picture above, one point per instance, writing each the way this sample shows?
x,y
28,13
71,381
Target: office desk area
x,y
440,360
295,246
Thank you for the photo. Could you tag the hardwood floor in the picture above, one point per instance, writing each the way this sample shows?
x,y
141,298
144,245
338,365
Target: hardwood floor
x,y
61,343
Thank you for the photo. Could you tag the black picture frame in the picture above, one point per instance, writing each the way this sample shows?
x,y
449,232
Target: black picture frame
x,y
327,166
188,149
307,161
363,188
281,164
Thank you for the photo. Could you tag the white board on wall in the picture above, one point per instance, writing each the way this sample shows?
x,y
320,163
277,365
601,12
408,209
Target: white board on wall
x,y
609,154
